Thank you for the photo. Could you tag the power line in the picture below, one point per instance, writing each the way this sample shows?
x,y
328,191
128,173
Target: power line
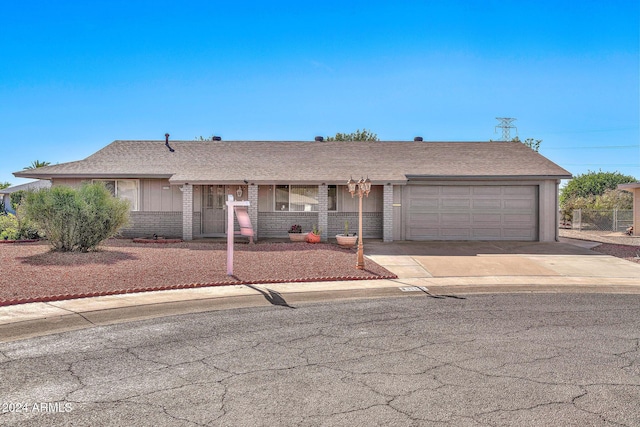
x,y
589,148
602,164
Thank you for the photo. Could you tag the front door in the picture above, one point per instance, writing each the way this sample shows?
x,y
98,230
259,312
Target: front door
x,y
214,207
213,210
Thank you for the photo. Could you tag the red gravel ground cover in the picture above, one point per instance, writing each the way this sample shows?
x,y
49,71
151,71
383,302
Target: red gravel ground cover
x,y
31,272
630,253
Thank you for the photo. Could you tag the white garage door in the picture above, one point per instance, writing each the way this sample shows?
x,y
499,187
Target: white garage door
x,y
471,212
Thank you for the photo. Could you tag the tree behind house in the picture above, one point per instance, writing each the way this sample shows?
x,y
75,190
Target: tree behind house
x,y
37,164
595,190
76,220
534,144
358,135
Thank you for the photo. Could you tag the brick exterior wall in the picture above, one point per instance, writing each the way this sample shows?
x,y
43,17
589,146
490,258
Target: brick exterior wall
x,y
197,220
387,213
187,208
253,210
323,220
146,224
371,224
277,224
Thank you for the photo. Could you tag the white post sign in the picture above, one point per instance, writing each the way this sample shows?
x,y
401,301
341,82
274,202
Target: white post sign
x,y
231,204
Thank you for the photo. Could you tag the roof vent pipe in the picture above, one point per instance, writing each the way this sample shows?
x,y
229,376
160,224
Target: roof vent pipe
x,y
166,142
418,139
216,138
319,138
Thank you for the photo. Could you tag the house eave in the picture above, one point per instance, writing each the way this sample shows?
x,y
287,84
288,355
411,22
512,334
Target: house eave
x,y
90,176
629,186
485,177
277,182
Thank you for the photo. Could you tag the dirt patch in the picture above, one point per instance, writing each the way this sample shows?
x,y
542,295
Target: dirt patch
x,y
31,272
630,253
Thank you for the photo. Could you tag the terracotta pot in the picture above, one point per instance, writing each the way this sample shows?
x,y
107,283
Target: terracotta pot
x,y
313,238
347,241
298,237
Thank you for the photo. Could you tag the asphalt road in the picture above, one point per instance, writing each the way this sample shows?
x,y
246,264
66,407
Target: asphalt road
x,y
479,360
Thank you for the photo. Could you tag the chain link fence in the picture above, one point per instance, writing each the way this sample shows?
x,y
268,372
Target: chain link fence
x,y
600,220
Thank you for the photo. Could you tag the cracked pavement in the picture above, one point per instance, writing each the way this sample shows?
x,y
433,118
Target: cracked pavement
x,y
485,360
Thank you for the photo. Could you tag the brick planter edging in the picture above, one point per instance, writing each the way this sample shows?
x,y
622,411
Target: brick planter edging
x,y
187,286
158,240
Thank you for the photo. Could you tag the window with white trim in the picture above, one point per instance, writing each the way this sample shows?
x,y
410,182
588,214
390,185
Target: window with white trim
x,y
125,189
296,198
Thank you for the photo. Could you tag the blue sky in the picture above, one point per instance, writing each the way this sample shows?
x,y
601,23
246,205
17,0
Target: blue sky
x,y
77,75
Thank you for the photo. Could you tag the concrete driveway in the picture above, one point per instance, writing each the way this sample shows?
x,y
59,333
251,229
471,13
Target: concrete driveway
x,y
569,262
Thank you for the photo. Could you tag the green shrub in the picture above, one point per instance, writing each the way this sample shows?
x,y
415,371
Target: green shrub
x,y
76,220
16,198
9,228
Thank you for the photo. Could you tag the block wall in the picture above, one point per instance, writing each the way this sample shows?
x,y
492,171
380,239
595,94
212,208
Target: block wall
x,y
146,224
277,224
371,224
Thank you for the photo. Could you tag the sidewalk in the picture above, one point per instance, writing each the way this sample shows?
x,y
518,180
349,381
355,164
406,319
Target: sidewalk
x,y
422,269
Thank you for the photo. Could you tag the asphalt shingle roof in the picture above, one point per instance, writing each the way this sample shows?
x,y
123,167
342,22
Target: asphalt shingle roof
x,y
34,185
305,162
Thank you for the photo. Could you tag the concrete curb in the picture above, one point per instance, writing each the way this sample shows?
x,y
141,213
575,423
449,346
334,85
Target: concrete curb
x,y
52,298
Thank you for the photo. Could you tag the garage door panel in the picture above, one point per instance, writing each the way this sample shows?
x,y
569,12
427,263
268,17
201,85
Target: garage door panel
x,y
486,190
455,219
522,218
468,212
456,203
481,220
424,218
514,190
486,233
424,203
455,190
486,203
455,232
431,190
518,233
519,204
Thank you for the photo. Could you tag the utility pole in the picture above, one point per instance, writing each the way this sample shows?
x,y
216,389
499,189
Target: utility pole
x,y
506,125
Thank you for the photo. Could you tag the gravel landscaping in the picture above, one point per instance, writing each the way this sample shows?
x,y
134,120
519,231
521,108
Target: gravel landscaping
x,y
617,244
31,272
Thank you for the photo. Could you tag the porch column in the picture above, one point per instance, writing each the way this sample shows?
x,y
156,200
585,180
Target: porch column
x,y
253,209
187,212
323,216
387,213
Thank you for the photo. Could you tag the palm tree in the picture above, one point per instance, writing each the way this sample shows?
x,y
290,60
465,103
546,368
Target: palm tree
x,y
37,164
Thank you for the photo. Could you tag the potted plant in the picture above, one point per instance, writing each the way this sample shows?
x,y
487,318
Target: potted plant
x,y
296,234
314,236
347,240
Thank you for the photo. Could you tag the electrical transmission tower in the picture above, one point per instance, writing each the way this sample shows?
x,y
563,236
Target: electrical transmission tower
x,y
506,125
